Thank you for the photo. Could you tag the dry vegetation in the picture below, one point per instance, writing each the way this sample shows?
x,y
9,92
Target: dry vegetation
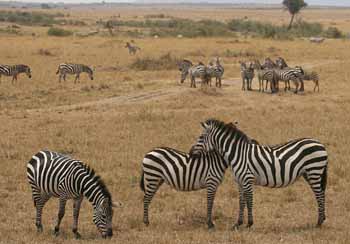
x,y
113,121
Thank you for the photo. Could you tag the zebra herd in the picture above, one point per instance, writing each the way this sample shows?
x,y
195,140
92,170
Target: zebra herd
x,y
270,72
202,71
275,72
220,146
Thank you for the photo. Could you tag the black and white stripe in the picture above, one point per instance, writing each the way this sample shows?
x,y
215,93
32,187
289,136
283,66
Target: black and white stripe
x,y
184,67
247,74
51,174
290,74
312,75
73,69
182,172
198,71
132,48
14,71
276,166
215,70
267,75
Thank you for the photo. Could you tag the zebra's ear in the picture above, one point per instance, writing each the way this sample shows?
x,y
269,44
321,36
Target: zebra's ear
x,y
117,205
203,125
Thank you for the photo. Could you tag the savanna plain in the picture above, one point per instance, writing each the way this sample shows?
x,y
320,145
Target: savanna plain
x,y
112,121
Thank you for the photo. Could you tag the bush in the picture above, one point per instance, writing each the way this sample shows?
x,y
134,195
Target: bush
x,y
165,62
54,31
333,32
29,18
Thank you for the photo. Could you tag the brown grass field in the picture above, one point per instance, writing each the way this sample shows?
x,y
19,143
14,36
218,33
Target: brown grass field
x,y
111,122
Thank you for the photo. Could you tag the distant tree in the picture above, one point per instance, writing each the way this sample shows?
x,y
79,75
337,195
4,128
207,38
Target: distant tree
x,y
293,7
45,6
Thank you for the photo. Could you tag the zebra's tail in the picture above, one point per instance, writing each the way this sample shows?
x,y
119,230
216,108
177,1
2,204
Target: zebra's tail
x,y
324,179
142,183
58,70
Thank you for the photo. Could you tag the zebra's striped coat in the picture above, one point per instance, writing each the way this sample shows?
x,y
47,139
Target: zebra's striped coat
x,y
276,166
215,71
247,74
182,172
14,71
51,174
73,69
132,48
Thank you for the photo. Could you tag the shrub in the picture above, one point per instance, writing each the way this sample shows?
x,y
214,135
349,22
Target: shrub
x,y
165,62
333,32
54,31
29,18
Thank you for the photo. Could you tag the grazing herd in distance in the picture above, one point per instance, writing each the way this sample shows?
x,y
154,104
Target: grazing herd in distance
x,y
270,72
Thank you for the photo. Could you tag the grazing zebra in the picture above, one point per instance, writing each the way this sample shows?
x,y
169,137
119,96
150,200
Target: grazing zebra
x,y
265,74
51,174
198,71
201,170
73,69
215,70
14,71
132,48
184,67
282,65
314,77
247,75
271,166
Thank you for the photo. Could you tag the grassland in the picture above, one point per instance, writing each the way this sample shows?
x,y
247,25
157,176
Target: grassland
x,y
111,122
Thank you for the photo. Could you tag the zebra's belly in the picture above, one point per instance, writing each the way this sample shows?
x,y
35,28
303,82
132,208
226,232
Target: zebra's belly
x,y
189,186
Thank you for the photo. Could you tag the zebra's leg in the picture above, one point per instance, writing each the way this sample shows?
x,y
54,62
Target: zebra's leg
x,y
211,191
318,185
76,78
76,209
242,203
59,78
150,191
296,83
248,195
61,211
243,84
39,203
301,84
14,78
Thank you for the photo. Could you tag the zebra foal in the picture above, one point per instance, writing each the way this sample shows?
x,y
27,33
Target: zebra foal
x,y
132,48
51,174
201,170
73,69
14,71
270,166
215,70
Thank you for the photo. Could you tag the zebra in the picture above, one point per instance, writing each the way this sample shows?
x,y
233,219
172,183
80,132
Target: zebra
x,y
199,71
215,70
247,75
298,71
201,170
313,75
268,64
265,74
14,71
270,166
286,75
51,174
73,69
132,48
184,67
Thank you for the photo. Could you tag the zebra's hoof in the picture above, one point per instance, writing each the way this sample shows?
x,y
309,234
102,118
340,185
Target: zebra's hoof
x,y
249,225
236,226
211,226
77,236
39,228
146,222
56,232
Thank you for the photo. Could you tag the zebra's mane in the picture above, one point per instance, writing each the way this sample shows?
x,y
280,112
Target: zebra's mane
x,y
230,126
98,181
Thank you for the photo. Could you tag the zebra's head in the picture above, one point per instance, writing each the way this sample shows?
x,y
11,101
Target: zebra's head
x,y
184,66
90,72
25,69
205,141
281,63
268,64
127,44
103,215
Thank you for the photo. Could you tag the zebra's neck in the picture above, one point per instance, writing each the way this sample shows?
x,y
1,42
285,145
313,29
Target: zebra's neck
x,y
86,69
93,188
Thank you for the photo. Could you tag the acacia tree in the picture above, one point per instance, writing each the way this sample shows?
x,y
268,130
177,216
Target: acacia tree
x,y
293,7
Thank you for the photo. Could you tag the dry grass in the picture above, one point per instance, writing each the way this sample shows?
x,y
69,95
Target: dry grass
x,y
113,121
